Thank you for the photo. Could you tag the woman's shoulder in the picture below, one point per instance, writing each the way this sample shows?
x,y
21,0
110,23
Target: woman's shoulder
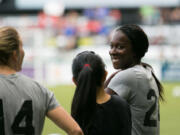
x,y
126,77
129,72
132,72
119,101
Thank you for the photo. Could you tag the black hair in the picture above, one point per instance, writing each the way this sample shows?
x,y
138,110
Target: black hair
x,y
137,37
140,44
88,71
159,85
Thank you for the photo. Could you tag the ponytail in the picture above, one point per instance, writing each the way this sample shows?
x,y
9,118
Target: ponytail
x,y
159,85
84,101
88,72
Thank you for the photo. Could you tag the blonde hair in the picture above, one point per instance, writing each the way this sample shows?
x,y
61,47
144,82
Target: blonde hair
x,y
9,42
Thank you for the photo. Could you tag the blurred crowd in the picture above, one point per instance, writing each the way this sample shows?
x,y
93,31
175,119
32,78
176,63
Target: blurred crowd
x,y
153,15
93,26
87,27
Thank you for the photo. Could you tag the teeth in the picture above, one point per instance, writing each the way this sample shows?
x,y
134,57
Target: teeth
x,y
115,60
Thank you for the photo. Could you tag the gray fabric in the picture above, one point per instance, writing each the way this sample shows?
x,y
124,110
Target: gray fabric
x,y
134,84
15,90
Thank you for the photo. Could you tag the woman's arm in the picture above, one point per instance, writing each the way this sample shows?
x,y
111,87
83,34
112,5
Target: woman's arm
x,y
61,118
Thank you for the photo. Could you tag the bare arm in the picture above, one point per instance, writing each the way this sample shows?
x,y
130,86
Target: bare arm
x,y
61,118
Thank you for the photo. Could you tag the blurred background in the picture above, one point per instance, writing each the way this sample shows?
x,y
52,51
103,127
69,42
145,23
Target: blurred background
x,y
54,31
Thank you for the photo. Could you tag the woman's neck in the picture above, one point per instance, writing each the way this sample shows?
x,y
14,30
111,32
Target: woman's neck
x,y
102,96
131,65
5,70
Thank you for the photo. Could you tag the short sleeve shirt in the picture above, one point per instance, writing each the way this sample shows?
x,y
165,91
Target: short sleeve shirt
x,y
24,104
138,87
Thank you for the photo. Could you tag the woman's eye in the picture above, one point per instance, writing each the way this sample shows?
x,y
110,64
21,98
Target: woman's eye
x,y
111,46
120,47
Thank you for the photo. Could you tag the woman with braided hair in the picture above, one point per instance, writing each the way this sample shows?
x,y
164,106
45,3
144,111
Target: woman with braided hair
x,y
135,81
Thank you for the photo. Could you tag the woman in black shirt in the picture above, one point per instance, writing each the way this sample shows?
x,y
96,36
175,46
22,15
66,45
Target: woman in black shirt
x,y
95,111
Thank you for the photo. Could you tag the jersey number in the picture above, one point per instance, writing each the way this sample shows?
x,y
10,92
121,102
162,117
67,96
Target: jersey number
x,y
25,113
147,121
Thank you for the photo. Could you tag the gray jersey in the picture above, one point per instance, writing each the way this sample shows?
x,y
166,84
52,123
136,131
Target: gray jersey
x,y
138,87
23,105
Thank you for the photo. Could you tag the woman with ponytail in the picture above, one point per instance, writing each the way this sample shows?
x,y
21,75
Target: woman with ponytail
x,y
96,112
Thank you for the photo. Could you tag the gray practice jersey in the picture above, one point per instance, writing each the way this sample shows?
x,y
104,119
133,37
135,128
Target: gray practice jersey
x,y
138,87
23,105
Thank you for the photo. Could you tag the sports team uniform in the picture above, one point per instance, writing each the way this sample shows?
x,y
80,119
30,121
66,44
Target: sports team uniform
x,y
23,105
112,118
138,87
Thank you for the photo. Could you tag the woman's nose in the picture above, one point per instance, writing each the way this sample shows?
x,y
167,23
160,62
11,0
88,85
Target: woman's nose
x,y
112,50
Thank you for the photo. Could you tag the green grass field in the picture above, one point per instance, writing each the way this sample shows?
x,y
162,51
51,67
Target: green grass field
x,y
169,110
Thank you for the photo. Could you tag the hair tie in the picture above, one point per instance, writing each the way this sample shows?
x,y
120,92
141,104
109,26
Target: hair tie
x,y
86,65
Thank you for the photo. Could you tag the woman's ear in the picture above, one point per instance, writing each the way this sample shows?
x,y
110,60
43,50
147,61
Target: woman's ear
x,y
14,59
14,55
74,81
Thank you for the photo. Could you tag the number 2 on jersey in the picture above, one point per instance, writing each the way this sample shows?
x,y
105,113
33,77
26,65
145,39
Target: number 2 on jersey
x,y
25,112
147,121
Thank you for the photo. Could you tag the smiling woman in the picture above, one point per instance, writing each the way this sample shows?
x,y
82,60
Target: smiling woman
x,y
121,52
136,82
128,44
